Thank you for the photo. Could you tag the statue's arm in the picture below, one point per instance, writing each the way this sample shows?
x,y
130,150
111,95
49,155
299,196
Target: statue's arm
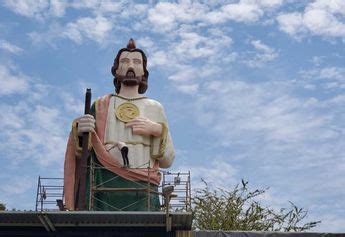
x,y
167,151
163,147
73,150
77,130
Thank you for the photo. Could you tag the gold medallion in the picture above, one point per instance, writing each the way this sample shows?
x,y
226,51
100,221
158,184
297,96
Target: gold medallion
x,y
126,112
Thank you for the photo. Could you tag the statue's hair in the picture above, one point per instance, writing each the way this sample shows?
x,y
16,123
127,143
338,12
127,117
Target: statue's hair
x,y
130,48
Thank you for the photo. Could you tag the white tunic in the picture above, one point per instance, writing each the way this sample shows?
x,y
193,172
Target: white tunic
x,y
143,150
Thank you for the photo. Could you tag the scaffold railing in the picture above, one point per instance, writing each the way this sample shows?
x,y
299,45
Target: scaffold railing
x,y
50,194
181,195
49,191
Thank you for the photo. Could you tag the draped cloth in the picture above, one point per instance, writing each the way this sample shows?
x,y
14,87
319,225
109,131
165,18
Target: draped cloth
x,y
150,175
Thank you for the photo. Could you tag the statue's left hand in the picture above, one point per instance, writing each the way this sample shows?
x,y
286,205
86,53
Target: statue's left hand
x,y
144,126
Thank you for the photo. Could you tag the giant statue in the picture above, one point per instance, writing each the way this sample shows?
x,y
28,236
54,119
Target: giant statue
x,y
129,140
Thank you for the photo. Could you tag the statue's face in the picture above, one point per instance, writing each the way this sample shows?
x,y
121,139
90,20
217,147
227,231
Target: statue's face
x,y
130,65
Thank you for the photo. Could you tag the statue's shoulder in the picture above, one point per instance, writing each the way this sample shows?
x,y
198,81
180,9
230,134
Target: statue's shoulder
x,y
153,103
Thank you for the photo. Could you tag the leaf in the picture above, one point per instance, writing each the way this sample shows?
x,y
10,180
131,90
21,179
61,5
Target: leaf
x,y
238,209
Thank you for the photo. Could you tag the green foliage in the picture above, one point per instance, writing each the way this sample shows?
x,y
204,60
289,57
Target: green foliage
x,y
239,209
2,206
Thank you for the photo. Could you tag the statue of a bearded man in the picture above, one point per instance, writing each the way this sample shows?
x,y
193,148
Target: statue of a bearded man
x,y
129,141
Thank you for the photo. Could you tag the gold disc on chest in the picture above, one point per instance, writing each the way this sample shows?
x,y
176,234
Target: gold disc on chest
x,y
126,112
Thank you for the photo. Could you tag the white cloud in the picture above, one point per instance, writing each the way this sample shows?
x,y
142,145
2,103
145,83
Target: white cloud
x,y
54,31
37,9
95,29
317,60
242,12
321,18
33,128
191,57
321,22
16,185
329,222
333,6
12,120
111,6
185,73
270,3
187,78
145,42
158,58
44,9
7,46
188,89
256,111
35,134
161,16
85,4
99,7
326,77
246,11
12,82
30,8
333,73
278,137
263,55
166,16
57,7
71,103
261,46
219,173
291,23
193,45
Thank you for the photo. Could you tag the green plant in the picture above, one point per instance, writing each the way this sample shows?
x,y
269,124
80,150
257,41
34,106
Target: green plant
x,y
238,209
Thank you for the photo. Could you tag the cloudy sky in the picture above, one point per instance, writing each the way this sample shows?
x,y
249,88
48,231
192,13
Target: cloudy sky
x,y
253,89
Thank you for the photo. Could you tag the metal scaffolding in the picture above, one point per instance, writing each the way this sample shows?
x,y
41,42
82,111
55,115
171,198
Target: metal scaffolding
x,y
49,190
174,192
94,188
181,198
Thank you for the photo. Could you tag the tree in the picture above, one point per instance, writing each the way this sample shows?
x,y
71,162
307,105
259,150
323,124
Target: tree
x,y
2,206
239,209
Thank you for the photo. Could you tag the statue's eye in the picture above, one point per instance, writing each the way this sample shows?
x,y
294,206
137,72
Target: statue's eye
x,y
124,60
136,61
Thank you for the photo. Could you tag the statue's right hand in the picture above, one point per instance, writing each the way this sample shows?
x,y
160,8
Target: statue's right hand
x,y
86,123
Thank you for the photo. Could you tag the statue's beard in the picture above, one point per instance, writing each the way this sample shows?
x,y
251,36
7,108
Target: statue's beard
x,y
130,79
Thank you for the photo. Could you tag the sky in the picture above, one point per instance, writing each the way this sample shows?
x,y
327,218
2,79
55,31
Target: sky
x,y
253,90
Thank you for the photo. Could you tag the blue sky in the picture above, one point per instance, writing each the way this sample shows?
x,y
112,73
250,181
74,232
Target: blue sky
x,y
253,89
